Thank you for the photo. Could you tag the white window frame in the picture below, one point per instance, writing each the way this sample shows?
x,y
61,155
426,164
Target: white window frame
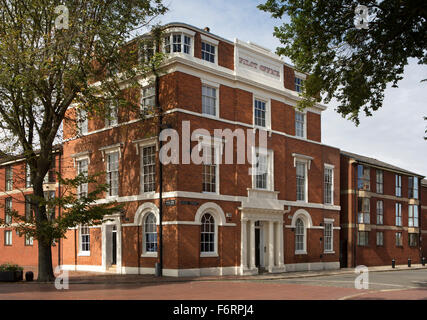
x,y
301,84
398,184
9,178
215,252
398,214
82,126
142,167
304,115
362,213
304,249
413,219
211,42
146,253
213,85
84,253
78,161
105,152
267,102
142,98
307,160
380,182
184,33
329,222
8,240
382,238
270,168
329,167
8,216
27,176
29,240
216,147
112,121
380,211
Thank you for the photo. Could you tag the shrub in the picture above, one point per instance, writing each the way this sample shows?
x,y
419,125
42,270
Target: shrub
x,y
10,267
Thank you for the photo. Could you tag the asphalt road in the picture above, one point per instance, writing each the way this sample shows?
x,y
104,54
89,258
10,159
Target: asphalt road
x,y
382,285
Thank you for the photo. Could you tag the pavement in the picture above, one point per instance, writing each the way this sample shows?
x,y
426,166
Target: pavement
x,y
384,283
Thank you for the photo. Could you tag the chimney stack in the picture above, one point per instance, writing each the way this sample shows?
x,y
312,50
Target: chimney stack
x,y
207,29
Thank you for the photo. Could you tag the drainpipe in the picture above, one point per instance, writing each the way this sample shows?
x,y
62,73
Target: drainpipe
x,y
159,269
59,209
355,174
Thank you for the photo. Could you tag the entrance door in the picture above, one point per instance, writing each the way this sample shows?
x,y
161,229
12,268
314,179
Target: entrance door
x,y
257,248
114,246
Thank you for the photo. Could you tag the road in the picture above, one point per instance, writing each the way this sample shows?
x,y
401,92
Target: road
x,y
410,284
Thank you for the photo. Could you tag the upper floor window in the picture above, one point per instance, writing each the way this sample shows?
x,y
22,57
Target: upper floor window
x,y
50,207
82,121
413,187
146,50
8,210
111,118
27,176
328,185
263,178
380,212
363,210
301,174
9,178
28,208
209,100
363,178
113,173
82,168
260,113
29,240
380,181
412,239
299,124
178,42
208,52
380,238
148,166
413,216
398,186
399,242
148,97
398,214
210,170
298,84
50,177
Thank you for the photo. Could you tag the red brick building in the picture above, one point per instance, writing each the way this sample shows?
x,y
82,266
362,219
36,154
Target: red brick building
x,y
218,219
381,217
15,188
424,217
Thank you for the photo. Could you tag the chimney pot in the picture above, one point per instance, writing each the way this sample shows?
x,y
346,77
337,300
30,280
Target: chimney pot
x,y
207,29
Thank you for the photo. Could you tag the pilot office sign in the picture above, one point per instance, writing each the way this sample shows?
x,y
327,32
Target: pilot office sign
x,y
261,67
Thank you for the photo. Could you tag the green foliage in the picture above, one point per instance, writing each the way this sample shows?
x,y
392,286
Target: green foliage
x,y
351,65
74,210
10,267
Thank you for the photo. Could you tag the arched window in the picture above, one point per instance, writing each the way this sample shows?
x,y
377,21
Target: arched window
x,y
299,235
207,235
150,233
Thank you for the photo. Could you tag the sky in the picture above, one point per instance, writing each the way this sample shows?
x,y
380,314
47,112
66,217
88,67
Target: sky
x,y
394,134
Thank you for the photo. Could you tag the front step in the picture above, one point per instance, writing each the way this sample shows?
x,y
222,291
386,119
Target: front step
x,y
112,269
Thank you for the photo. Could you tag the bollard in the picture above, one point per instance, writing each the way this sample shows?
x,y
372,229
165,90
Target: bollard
x,y
158,271
409,262
29,276
393,263
423,261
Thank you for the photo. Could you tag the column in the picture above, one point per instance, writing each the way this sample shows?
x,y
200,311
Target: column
x,y
244,242
252,246
279,246
270,246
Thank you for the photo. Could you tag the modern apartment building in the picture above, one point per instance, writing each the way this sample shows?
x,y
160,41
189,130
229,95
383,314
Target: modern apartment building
x,y
381,216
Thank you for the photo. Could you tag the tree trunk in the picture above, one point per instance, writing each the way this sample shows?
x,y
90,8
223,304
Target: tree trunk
x,y
45,264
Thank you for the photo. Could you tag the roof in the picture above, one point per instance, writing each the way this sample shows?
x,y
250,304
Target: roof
x,y
378,163
424,182
5,158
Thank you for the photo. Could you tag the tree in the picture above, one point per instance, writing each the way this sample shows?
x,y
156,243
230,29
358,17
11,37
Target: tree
x,y
52,55
350,64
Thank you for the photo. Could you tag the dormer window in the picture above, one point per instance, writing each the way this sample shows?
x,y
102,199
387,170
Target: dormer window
x,y
298,84
178,42
208,52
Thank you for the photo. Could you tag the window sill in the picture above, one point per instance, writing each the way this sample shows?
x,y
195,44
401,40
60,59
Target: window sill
x,y
149,255
328,252
84,254
301,252
208,255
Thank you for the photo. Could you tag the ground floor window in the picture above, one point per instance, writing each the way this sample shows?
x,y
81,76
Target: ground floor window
x,y
328,232
84,239
413,237
8,238
28,240
399,242
207,235
362,238
299,236
380,238
150,233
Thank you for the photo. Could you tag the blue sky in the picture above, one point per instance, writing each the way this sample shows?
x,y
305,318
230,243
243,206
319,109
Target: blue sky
x,y
394,134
